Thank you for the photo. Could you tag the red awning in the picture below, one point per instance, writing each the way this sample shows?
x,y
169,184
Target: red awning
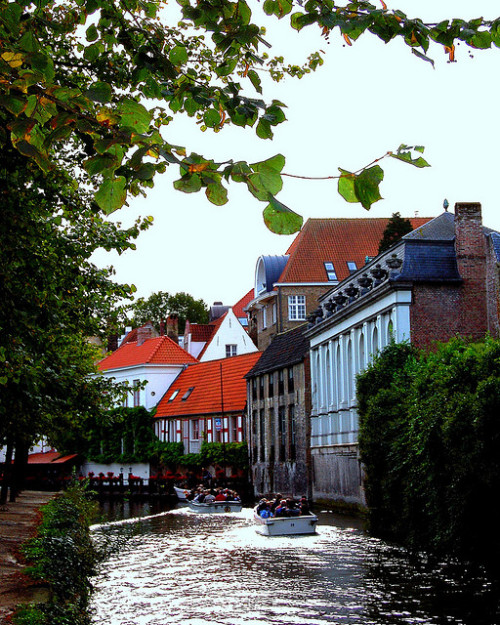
x,y
50,457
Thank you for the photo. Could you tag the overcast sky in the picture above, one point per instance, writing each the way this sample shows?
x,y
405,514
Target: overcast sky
x,y
365,100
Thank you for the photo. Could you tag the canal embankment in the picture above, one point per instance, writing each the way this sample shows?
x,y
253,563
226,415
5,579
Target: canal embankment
x,y
18,522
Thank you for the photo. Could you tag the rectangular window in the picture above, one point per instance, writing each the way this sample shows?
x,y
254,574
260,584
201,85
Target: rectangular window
x,y
261,387
291,384
254,389
187,393
330,272
274,313
271,384
351,265
296,307
231,350
264,318
282,432
195,430
137,393
291,430
281,382
262,437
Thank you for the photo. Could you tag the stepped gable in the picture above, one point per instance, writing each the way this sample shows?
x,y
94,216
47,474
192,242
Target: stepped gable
x,y
286,349
211,387
161,350
337,240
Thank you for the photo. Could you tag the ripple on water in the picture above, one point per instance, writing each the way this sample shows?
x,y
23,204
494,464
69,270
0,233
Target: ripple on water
x,y
182,568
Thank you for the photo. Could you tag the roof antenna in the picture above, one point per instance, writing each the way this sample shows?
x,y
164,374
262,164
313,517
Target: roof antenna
x,y
445,205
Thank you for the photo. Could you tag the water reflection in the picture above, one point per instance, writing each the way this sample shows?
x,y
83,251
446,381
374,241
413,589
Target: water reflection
x,y
178,567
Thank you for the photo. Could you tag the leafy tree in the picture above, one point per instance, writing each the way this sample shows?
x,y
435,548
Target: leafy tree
x,y
104,78
53,300
158,306
395,230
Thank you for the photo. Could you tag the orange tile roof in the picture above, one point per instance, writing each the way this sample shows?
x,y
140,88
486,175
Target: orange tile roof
x,y
207,396
337,241
161,350
238,308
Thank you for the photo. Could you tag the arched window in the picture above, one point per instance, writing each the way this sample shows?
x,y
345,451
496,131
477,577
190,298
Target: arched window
x,y
328,376
374,341
350,371
361,351
338,377
390,332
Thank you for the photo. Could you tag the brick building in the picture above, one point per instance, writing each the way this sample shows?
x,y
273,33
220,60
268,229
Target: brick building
x,y
439,281
279,404
325,252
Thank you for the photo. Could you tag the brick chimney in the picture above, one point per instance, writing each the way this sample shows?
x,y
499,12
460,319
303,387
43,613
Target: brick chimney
x,y
470,247
173,327
144,332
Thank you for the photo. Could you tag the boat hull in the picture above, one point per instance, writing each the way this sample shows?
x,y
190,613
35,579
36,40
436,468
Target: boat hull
x,y
216,507
286,526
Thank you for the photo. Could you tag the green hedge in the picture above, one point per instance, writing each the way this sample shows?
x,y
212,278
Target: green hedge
x,y
430,443
62,556
223,454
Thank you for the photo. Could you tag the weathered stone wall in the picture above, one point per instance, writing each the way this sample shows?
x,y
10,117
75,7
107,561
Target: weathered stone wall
x,y
337,474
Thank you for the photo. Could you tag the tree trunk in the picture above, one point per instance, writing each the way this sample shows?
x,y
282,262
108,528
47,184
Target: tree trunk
x,y
7,473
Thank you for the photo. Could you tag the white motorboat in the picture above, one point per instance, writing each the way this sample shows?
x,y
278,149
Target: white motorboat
x,y
181,493
216,506
285,526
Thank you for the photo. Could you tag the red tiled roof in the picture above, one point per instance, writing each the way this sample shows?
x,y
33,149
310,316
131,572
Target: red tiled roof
x,y
201,332
161,350
207,396
238,308
336,241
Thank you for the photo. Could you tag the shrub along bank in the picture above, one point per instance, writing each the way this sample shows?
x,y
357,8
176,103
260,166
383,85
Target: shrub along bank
x,y
63,557
430,444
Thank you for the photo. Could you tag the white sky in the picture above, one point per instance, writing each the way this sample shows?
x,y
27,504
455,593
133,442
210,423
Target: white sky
x,y
365,100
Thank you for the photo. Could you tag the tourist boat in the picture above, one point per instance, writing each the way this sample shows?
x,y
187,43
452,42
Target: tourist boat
x,y
285,526
181,493
216,506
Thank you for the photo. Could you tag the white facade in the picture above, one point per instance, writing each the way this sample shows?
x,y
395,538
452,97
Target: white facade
x,y
231,339
158,379
342,350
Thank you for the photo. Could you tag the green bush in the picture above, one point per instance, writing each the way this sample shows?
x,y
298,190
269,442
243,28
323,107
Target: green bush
x,y
430,444
63,556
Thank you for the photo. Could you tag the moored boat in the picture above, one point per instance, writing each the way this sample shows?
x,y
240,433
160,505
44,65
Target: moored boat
x,y
285,526
181,493
216,506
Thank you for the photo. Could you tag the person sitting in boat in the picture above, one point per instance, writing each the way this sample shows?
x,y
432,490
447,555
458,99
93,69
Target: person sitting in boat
x,y
209,497
304,506
292,508
276,502
200,497
281,510
264,509
220,496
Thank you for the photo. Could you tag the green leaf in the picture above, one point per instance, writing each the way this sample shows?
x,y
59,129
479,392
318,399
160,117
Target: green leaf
x,y
92,33
212,118
366,186
111,194
266,178
99,92
281,219
190,183
403,154
363,187
346,186
255,80
135,115
178,55
216,193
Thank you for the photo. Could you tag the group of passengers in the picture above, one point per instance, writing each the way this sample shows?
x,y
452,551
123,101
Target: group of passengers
x,y
280,507
209,495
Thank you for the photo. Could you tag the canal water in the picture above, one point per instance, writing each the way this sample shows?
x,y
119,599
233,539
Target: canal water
x,y
181,568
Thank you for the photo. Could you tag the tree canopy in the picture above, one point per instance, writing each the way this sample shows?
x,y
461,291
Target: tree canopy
x,y
105,78
395,230
159,306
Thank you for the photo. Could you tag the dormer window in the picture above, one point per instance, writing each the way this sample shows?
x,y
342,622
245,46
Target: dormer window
x,y
174,395
330,272
187,393
351,265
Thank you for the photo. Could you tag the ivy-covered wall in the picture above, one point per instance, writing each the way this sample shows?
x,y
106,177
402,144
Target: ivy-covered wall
x,y
430,444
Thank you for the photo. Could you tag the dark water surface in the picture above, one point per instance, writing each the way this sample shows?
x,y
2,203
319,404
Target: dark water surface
x,y
178,567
